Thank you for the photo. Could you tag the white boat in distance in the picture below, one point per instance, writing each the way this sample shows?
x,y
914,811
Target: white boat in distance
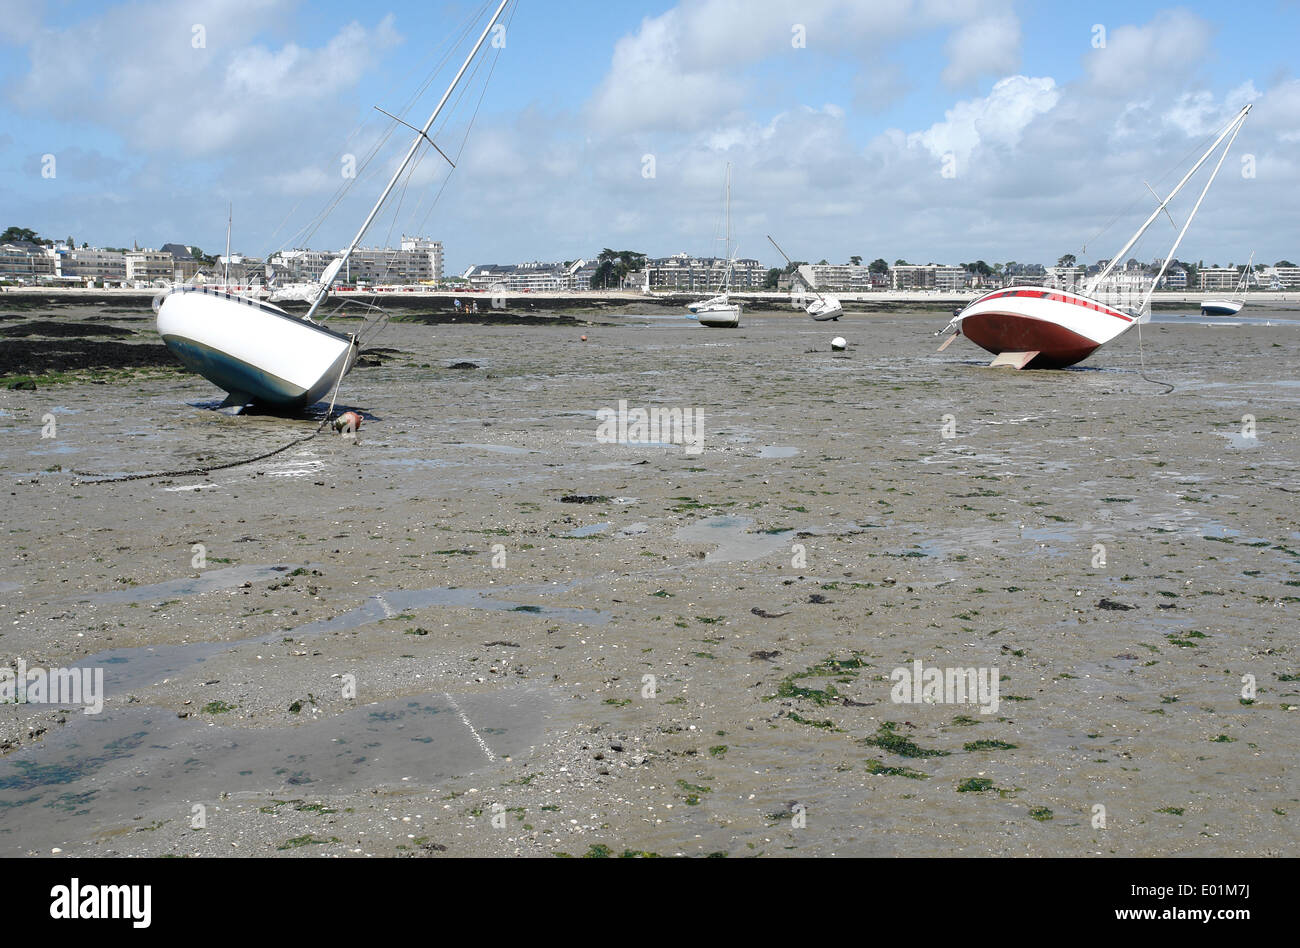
x,y
719,312
1032,327
1231,307
258,353
824,308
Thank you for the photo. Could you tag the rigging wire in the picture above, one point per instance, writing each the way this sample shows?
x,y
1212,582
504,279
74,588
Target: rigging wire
x,y
1170,171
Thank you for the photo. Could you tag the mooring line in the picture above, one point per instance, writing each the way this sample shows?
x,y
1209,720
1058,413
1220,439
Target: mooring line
x,y
194,472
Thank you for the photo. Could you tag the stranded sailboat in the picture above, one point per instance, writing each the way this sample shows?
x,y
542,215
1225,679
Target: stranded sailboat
x,y
824,307
257,352
1231,307
1035,327
720,312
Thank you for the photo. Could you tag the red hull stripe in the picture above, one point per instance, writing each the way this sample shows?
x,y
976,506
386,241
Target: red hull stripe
x,y
1056,298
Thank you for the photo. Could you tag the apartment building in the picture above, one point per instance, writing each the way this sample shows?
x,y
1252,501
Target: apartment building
x,y
27,262
1219,278
928,277
686,274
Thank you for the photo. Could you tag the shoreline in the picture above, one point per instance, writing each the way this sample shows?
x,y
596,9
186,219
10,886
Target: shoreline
x,y
427,300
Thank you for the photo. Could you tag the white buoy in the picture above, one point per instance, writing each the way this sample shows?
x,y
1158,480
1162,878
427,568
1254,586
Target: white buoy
x,y
839,344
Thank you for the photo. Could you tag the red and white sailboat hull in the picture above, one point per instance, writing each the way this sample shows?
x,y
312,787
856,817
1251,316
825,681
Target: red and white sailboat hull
x,y
1059,328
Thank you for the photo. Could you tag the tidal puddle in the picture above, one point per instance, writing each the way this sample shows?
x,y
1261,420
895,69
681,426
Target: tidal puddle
x,y
589,531
392,604
128,669
733,539
131,767
495,448
777,451
1239,441
207,581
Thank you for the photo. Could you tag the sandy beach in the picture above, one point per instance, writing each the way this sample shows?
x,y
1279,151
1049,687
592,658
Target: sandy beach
x,y
475,629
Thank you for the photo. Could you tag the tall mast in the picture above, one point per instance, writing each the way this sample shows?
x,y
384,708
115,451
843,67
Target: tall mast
x,y
332,271
726,273
1233,127
791,262
225,276
1244,283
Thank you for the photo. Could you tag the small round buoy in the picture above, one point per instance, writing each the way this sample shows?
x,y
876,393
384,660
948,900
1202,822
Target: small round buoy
x,y
584,338
347,422
839,344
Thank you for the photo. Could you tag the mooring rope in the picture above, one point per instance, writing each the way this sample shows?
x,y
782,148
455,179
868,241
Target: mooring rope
x,y
1142,361
110,479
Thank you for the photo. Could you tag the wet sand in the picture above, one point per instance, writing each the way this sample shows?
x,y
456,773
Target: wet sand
x,y
498,630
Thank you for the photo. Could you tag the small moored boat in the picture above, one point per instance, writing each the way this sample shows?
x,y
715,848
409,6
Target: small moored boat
x,y
1034,327
257,352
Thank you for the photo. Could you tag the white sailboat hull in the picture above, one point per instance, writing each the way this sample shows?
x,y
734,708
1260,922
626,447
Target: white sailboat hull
x,y
825,309
1221,307
717,313
1058,327
724,317
256,352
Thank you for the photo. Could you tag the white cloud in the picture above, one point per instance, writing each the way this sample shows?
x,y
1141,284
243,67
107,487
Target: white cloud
x,y
1199,113
996,119
687,68
137,71
1158,56
985,47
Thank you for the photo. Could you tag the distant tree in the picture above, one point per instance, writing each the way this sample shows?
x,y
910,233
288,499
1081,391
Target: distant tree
x,y
773,279
855,260
1284,263
822,262
19,233
879,266
85,246
613,266
1066,260
71,243
900,262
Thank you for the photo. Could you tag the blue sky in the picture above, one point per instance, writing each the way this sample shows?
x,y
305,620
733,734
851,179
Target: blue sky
x,y
839,146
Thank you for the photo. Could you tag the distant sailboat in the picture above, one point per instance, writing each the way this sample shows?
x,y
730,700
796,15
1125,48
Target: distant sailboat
x,y
825,307
720,312
259,353
1035,327
1231,307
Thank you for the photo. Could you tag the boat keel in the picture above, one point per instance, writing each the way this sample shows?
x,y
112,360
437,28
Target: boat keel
x,y
236,400
1016,360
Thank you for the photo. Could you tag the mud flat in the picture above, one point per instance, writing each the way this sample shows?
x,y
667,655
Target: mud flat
x,y
477,630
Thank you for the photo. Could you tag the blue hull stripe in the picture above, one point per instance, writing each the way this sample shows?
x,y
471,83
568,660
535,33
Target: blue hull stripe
x,y
236,376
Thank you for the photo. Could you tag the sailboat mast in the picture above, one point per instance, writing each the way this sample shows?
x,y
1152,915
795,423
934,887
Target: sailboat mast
x,y
1244,283
791,262
726,273
410,155
225,274
1234,124
1172,250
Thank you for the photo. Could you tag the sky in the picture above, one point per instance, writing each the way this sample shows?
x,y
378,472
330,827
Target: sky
x,y
906,129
